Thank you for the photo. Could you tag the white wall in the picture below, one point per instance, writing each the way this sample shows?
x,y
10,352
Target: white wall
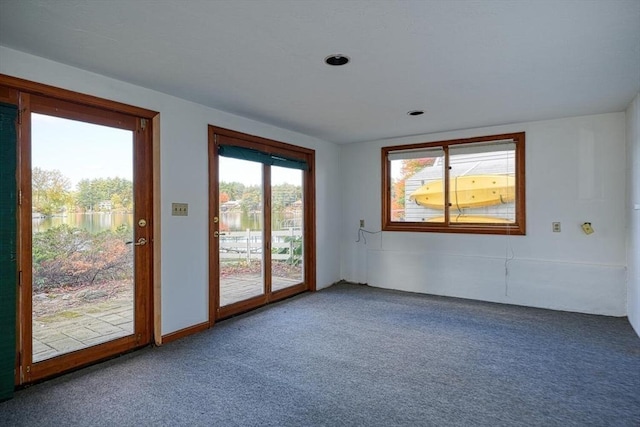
x,y
575,173
184,179
633,209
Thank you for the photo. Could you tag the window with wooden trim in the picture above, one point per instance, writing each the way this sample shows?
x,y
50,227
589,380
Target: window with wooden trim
x,y
473,185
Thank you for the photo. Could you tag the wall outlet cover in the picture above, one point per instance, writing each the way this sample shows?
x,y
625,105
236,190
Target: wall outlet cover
x,y
587,228
179,209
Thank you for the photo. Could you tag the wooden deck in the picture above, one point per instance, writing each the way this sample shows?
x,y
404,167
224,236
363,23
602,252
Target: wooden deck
x,y
248,245
236,289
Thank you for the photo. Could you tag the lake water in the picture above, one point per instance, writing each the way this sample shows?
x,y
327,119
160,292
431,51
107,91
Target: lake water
x,y
92,222
100,221
240,221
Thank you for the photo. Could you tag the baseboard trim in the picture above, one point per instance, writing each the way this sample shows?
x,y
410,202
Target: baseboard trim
x,y
184,332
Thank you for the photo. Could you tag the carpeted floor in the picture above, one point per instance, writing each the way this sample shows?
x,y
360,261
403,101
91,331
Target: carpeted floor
x,y
352,355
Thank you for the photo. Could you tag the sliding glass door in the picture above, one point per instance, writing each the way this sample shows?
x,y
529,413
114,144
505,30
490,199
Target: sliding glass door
x,y
260,226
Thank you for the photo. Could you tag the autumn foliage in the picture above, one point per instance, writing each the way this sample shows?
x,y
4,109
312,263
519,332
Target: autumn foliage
x,y
67,256
408,168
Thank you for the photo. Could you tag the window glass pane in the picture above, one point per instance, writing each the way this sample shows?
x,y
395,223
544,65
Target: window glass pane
x,y
82,219
482,183
417,186
287,257
241,230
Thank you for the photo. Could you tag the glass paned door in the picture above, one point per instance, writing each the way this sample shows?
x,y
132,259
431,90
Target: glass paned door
x,y
241,230
82,235
261,239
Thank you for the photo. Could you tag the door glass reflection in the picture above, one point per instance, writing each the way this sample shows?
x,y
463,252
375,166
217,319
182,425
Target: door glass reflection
x,y
240,238
287,266
82,218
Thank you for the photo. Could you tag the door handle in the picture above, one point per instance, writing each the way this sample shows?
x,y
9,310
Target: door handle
x,y
141,242
218,234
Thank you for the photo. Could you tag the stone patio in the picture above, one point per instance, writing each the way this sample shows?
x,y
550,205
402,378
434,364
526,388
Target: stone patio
x,y
81,327
92,324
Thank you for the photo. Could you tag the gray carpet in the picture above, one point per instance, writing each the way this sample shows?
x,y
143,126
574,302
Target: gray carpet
x,y
356,356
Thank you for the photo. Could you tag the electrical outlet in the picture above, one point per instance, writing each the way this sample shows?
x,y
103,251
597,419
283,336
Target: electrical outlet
x,y
587,228
179,209
362,223
555,226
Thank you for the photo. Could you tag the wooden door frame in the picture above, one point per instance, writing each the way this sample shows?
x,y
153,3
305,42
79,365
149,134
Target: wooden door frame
x,y
146,134
267,145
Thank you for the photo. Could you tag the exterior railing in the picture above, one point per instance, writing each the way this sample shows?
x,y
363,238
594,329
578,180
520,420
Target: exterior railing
x,y
247,245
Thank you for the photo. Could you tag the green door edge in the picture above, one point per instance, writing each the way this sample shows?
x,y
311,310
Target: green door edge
x,y
8,245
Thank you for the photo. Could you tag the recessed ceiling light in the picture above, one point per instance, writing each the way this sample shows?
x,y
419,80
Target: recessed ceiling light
x,y
416,113
336,60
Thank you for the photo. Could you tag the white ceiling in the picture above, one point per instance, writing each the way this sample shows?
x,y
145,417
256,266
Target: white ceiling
x,y
466,63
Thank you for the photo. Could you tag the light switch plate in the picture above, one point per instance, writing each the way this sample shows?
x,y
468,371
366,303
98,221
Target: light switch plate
x,y
179,209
